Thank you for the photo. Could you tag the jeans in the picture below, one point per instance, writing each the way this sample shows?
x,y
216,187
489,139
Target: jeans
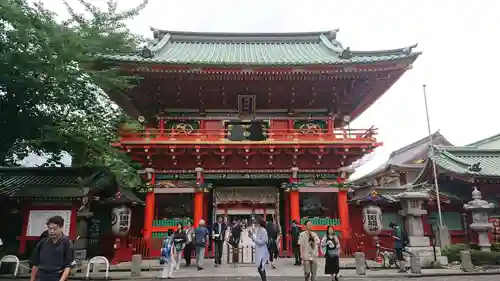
x,y
178,258
200,256
168,268
218,251
188,251
296,252
262,271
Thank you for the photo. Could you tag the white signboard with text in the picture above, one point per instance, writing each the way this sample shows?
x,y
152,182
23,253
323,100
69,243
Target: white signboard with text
x,y
37,221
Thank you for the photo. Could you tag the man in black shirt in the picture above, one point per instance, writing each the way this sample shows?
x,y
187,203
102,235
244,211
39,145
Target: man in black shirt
x,y
219,236
295,232
234,240
273,233
53,256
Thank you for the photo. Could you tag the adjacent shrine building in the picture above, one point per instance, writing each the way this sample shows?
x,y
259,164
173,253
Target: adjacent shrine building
x,y
251,124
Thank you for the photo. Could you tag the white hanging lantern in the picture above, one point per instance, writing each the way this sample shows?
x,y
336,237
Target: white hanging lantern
x,y
121,220
372,220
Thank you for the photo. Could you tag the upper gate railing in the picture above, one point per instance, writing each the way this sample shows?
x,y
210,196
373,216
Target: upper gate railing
x,y
265,135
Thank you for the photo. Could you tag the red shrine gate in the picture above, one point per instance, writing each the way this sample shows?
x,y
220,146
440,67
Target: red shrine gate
x,y
267,112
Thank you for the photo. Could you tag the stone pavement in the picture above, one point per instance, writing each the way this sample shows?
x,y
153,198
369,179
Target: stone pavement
x,y
285,270
325,278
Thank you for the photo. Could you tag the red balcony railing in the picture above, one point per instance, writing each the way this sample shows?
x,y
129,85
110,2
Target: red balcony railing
x,y
269,135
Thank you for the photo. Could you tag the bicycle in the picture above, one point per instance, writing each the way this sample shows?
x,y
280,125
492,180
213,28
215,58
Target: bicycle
x,y
385,257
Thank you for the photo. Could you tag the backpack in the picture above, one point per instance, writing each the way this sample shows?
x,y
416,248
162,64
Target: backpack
x,y
404,238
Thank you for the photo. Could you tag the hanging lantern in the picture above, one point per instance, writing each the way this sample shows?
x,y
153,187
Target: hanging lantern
x,y
121,219
372,220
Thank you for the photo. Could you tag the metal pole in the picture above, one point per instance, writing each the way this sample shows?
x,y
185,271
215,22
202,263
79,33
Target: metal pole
x,y
431,144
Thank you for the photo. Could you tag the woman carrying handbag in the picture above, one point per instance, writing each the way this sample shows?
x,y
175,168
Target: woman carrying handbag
x,y
331,248
167,258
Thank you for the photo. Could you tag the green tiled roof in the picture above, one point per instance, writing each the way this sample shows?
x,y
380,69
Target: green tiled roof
x,y
469,161
263,49
51,183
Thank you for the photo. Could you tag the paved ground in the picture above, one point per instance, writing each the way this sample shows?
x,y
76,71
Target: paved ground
x,y
323,278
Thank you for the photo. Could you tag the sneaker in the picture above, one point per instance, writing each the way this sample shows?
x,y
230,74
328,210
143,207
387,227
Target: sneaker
x,y
216,265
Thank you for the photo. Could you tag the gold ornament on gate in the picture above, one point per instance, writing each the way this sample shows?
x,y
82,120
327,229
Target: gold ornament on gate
x,y
309,128
183,128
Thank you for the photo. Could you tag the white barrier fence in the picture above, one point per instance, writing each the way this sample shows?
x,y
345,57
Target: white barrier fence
x,y
11,259
98,260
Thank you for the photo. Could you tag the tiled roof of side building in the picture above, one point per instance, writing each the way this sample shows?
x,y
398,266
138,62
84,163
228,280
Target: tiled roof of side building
x,y
409,157
257,49
52,183
471,161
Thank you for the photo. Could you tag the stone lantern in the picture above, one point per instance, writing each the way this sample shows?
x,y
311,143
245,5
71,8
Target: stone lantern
x,y
412,210
480,209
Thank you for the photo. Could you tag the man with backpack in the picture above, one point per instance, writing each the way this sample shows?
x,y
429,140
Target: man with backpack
x,y
400,240
54,256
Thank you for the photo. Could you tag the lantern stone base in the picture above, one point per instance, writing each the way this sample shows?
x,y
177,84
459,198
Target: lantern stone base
x,y
421,246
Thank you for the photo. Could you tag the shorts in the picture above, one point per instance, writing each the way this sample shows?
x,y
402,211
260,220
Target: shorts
x,y
399,254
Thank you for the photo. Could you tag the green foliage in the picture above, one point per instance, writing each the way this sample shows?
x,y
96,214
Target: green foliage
x,y
53,89
485,258
453,251
478,257
436,265
495,247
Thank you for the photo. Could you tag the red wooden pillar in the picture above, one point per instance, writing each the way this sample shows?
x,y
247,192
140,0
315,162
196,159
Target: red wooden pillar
x,y
343,213
294,198
288,240
198,198
161,126
149,212
329,124
73,225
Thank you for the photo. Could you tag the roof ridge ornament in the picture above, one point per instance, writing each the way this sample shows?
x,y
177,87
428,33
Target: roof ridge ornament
x,y
146,53
346,53
408,50
333,34
475,167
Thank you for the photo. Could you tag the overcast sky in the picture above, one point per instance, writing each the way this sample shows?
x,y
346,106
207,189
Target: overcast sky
x,y
459,39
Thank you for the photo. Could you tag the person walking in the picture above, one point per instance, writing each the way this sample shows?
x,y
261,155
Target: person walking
x,y
219,236
54,255
234,241
179,244
331,249
273,233
201,239
261,252
294,233
309,245
400,242
190,238
167,257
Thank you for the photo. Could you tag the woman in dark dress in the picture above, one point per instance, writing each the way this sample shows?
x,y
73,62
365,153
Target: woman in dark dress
x,y
331,248
180,239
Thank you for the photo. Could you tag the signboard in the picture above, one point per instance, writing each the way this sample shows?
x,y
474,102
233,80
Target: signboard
x,y
217,176
37,221
94,228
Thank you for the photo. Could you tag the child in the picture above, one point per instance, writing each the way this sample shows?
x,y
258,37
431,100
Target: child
x,y
167,258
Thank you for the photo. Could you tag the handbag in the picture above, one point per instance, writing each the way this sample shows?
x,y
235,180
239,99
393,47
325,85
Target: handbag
x,y
333,252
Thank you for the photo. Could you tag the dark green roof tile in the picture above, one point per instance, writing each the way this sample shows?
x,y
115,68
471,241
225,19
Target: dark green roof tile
x,y
52,183
240,49
461,160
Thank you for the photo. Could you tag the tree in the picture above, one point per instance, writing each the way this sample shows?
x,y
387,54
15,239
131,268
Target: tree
x,y
53,83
